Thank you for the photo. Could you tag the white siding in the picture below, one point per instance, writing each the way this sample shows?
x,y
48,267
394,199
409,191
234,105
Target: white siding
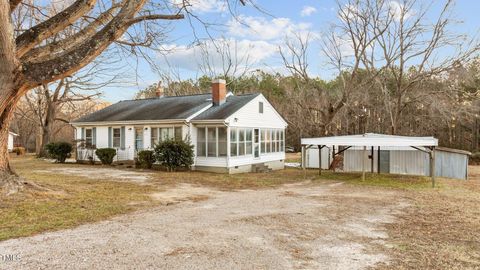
x,y
193,137
211,161
249,116
249,159
102,137
130,142
10,142
147,139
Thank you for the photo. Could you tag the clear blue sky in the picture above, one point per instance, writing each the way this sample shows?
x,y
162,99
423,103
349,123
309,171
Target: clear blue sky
x,y
259,38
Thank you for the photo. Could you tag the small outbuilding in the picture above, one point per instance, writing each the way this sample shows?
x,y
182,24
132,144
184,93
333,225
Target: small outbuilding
x,y
11,137
385,154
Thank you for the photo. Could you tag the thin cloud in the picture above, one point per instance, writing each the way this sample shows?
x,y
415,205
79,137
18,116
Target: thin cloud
x,y
307,11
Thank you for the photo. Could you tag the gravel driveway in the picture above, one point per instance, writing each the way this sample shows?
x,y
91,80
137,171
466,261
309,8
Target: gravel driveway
x,y
300,226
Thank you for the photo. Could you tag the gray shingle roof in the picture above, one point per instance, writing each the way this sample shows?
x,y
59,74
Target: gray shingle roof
x,y
232,104
167,108
178,107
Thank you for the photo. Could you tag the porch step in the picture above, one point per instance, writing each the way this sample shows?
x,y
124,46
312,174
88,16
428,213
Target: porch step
x,y
260,168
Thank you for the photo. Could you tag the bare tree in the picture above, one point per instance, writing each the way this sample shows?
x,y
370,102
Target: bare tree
x,y
224,58
98,25
408,50
344,50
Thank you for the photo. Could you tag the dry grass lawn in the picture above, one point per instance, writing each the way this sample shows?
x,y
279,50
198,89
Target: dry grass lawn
x,y
439,230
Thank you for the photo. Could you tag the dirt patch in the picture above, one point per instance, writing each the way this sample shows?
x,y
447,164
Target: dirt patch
x,y
101,173
183,192
301,226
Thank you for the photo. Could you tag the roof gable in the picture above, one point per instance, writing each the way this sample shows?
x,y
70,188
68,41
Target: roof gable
x,y
231,105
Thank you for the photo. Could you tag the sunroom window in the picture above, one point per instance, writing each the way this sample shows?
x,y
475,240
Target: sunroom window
x,y
201,142
233,142
211,141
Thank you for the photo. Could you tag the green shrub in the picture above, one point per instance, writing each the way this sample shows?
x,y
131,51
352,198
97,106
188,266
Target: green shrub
x,y
174,153
59,150
106,155
146,159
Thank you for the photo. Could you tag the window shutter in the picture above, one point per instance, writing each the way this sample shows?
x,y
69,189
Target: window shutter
x,y
110,137
82,135
94,136
122,138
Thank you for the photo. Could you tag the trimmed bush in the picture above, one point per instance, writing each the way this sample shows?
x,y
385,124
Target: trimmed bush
x,y
59,150
146,159
106,155
174,154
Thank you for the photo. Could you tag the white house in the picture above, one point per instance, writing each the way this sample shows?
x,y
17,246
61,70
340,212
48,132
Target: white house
x,y
11,137
229,133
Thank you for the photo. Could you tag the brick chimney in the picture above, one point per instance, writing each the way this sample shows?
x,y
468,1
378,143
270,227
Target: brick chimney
x,y
159,91
219,92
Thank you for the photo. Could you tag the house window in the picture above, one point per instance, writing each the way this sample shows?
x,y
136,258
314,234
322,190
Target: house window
x,y
212,142
116,137
233,142
178,133
222,141
166,133
88,137
154,137
248,142
138,138
260,107
241,142
201,150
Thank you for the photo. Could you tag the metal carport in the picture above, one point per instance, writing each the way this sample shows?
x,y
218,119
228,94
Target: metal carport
x,y
424,144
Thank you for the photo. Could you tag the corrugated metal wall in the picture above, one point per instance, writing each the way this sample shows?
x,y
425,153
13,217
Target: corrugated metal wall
x,y
352,160
411,162
402,161
451,165
312,157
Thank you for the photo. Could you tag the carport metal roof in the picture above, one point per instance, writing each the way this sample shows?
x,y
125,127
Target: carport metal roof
x,y
372,139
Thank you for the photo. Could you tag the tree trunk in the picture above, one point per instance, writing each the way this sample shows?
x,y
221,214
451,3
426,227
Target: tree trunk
x,y
47,126
8,93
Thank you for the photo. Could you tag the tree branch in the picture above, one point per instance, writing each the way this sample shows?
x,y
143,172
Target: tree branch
x,y
52,49
52,26
73,60
14,4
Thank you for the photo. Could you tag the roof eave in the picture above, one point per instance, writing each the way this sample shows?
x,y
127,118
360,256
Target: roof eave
x,y
130,122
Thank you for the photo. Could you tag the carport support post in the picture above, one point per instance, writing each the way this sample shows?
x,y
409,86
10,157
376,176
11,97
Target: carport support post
x,y
432,165
319,159
363,162
303,157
